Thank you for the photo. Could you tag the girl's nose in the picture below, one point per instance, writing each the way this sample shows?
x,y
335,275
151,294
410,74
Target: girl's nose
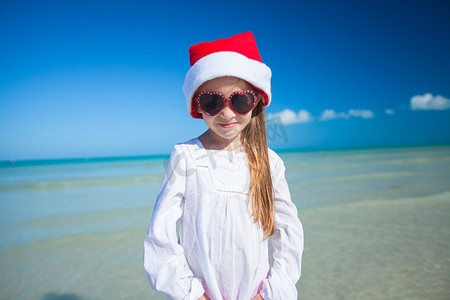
x,y
227,112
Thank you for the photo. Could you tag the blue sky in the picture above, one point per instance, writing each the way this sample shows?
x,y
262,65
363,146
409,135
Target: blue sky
x,y
104,78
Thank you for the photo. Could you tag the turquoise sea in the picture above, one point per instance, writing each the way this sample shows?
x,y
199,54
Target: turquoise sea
x,y
376,222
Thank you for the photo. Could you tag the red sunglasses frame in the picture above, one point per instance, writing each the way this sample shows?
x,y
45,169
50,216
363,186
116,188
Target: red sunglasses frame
x,y
227,100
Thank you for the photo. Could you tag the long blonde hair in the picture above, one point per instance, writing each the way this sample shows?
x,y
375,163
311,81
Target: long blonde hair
x,y
254,140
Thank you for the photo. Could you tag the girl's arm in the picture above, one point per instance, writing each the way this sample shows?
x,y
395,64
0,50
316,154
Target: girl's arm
x,y
287,242
164,261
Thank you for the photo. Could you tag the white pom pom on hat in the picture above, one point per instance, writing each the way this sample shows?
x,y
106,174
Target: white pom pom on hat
x,y
236,56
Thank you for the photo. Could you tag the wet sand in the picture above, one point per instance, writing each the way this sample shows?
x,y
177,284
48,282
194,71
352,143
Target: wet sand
x,y
386,249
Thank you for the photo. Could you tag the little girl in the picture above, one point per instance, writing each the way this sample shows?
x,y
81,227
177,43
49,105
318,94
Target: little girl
x,y
225,189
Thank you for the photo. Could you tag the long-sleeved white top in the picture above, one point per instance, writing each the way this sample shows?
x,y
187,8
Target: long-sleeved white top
x,y
220,250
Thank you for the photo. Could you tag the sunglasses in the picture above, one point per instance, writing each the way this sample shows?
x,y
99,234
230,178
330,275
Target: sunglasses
x,y
211,103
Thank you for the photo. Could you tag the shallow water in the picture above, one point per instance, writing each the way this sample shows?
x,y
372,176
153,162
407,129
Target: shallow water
x,y
375,222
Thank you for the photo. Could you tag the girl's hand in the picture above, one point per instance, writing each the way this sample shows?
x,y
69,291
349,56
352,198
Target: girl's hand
x,y
258,297
204,297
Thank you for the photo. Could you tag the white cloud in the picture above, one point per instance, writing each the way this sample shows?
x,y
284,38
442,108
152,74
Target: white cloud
x,y
288,116
389,111
330,114
362,113
304,116
429,102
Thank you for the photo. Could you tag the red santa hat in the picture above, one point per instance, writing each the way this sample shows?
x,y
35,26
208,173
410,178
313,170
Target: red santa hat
x,y
236,56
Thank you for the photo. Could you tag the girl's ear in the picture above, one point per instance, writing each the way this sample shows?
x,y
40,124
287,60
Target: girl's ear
x,y
260,98
259,107
197,107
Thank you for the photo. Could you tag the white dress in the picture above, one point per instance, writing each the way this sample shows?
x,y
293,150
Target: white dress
x,y
220,250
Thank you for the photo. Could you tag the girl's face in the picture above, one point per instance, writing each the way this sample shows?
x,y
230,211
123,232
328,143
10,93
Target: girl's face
x,y
227,124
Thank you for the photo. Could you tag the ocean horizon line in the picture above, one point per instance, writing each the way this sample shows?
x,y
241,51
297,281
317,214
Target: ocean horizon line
x,y
86,159
359,148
